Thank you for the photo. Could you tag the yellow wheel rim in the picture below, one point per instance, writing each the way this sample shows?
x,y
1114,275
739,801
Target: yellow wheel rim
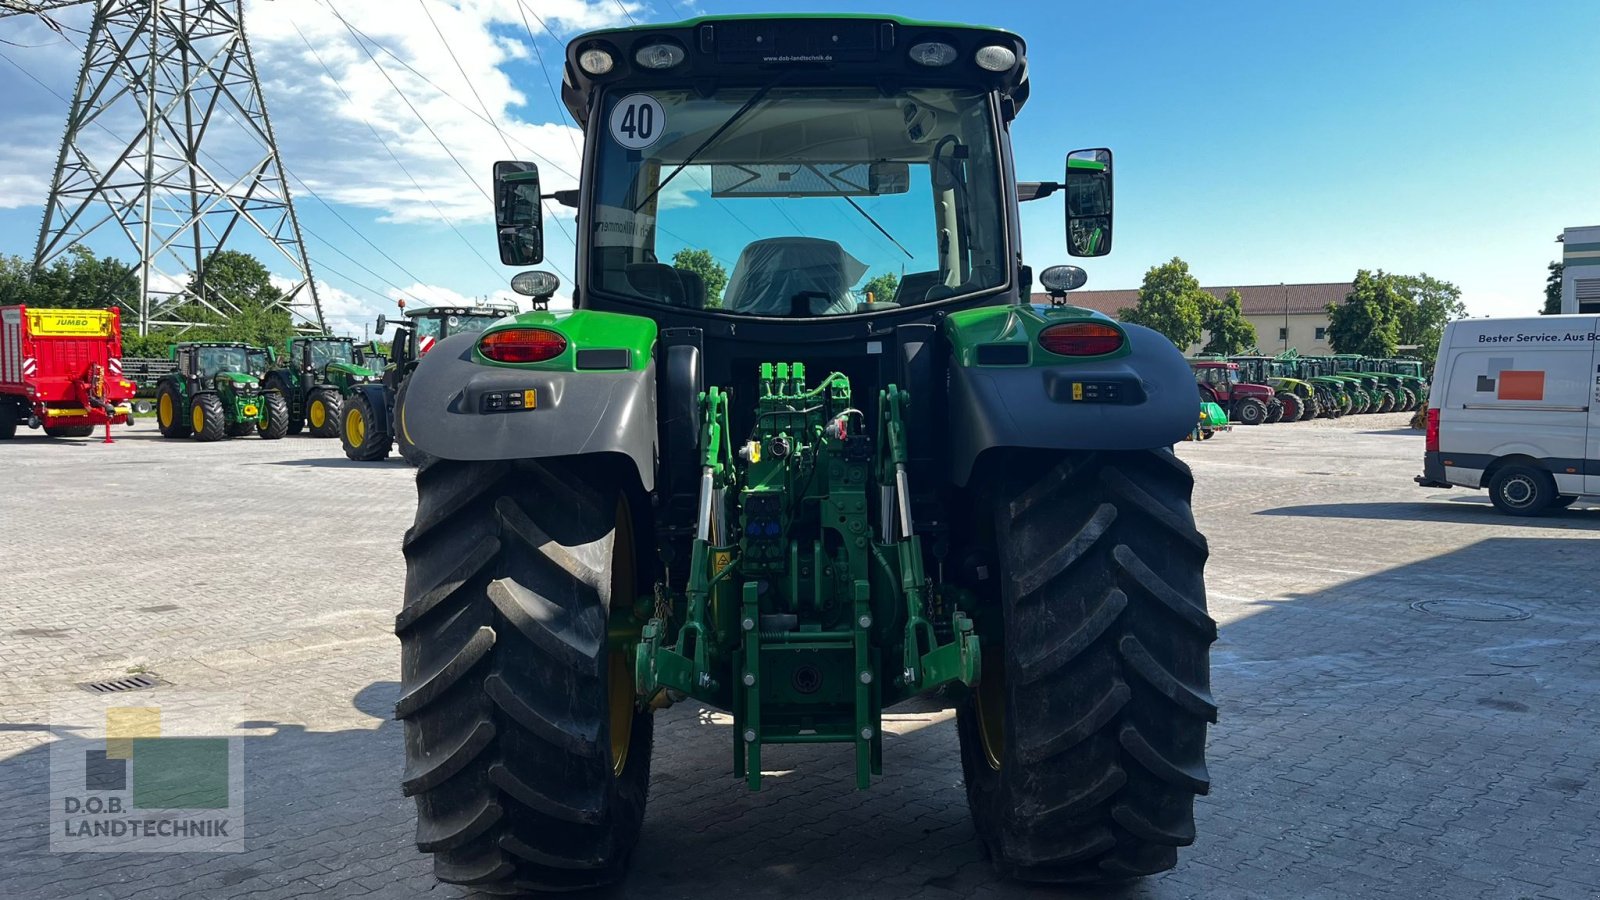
x,y
989,700
318,414
164,411
620,663
355,427
198,418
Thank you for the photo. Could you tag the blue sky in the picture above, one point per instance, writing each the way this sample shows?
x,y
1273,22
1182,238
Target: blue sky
x,y
1262,142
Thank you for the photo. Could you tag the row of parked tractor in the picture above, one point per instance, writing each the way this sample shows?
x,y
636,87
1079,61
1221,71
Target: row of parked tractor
x,y
62,370
1259,390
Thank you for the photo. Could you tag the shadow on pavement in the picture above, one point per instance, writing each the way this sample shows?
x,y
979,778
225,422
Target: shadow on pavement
x,y
1476,510
335,462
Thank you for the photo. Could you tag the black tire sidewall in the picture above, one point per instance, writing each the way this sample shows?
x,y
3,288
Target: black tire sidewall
x,y
1522,491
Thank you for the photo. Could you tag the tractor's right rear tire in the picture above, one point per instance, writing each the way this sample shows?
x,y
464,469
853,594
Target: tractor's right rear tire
x,y
206,418
322,412
363,439
1250,411
171,418
1083,744
1274,411
525,749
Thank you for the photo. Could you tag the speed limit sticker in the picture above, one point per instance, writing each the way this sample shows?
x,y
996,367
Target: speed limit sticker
x,y
637,121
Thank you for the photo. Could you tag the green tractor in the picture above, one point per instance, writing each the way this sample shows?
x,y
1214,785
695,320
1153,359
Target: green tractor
x,y
1408,374
1374,395
787,500
1331,396
215,392
368,428
1297,398
1393,392
316,373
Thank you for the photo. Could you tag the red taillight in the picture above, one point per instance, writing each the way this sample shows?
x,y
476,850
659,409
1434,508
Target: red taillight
x,y
1081,339
522,345
1432,440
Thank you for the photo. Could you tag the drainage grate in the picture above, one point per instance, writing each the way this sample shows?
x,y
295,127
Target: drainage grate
x,y
137,682
1471,610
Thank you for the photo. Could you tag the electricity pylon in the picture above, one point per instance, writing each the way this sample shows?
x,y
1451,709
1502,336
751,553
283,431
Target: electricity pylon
x,y
168,144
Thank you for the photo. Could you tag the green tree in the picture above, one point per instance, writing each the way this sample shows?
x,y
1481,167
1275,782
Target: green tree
x,y
883,287
1230,332
1171,302
77,280
1552,290
241,286
1427,303
702,263
1369,320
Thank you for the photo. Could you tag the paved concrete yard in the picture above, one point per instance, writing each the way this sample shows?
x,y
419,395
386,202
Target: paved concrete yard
x,y
1372,744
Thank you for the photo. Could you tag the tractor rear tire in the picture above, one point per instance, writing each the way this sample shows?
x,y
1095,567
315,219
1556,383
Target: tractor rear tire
x,y
69,431
1311,408
1408,400
1293,407
1386,401
281,385
171,418
1274,411
277,424
207,419
416,458
1083,744
10,415
322,412
525,750
363,440
1250,411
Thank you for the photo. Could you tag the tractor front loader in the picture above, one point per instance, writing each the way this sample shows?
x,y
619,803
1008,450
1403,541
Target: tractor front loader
x,y
790,500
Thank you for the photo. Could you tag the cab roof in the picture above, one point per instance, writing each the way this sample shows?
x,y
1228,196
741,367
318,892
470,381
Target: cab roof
x,y
834,49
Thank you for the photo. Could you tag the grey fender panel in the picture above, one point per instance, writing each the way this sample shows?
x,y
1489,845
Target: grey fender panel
x,y
577,412
1032,408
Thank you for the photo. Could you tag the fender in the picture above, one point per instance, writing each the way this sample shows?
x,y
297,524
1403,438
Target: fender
x,y
576,411
377,401
1036,406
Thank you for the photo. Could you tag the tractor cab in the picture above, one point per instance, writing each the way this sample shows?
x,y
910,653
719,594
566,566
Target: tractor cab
x,y
424,326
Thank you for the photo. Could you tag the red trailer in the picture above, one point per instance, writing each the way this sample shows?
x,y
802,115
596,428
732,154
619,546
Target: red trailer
x,y
61,369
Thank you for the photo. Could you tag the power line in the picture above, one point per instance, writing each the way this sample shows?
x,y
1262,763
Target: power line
x,y
626,13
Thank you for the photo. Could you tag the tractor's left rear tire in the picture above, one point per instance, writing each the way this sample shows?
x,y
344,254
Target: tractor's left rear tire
x,y
1274,411
525,749
69,431
1293,407
1083,744
277,424
322,412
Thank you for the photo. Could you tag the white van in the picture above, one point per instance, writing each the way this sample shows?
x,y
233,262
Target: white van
x,y
1512,408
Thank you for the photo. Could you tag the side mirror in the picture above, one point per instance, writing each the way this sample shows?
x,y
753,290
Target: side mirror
x,y
1088,186
518,217
272,356
383,324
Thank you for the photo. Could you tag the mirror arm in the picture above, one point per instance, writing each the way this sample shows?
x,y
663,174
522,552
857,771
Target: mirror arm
x,y
1036,190
569,199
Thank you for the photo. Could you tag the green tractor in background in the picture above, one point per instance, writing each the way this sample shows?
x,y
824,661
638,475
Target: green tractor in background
x,y
1400,397
1409,373
1334,396
216,392
368,428
787,500
1297,398
315,373
1373,395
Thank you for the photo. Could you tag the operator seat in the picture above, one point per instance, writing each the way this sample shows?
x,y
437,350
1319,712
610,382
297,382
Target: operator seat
x,y
772,272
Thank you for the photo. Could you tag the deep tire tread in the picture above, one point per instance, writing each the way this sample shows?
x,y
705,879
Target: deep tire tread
x,y
1106,645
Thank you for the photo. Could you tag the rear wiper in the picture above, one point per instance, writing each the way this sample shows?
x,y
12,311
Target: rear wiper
x,y
695,153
